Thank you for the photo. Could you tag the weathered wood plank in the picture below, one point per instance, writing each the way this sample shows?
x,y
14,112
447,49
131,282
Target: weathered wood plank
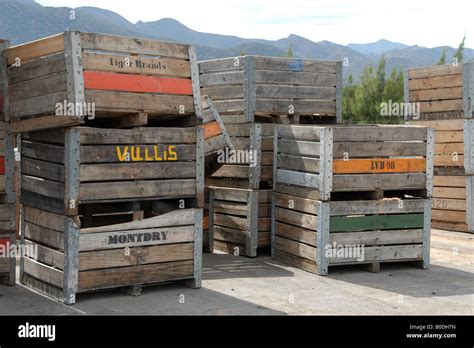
x,y
136,46
43,272
35,49
292,217
435,71
349,182
376,222
148,135
135,275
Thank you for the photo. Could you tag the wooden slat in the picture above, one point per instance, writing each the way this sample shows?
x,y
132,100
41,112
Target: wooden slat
x,y
376,222
295,65
137,256
441,106
436,94
49,84
38,68
296,248
296,203
136,238
297,178
148,135
298,219
435,71
108,81
297,163
135,275
436,82
393,165
112,43
153,104
136,65
45,122
41,105
295,78
369,149
295,107
348,182
137,171
35,49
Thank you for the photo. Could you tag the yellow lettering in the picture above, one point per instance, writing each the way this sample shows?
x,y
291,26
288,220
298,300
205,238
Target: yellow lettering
x,y
147,156
136,154
157,154
173,154
122,156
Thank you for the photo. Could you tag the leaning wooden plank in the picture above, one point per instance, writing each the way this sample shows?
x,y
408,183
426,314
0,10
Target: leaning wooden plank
x,y
45,273
146,274
112,43
35,49
48,256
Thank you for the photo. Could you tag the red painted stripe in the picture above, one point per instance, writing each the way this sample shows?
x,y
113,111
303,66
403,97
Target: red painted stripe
x,y
137,83
4,242
2,165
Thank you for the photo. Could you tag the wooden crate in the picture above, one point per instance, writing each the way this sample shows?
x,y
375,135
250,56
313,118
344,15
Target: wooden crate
x,y
444,92
306,232
73,259
328,162
454,146
256,138
248,88
453,203
136,79
63,169
239,220
7,195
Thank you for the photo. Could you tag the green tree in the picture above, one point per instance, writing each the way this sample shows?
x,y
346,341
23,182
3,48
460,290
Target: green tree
x,y
348,100
442,59
459,55
290,53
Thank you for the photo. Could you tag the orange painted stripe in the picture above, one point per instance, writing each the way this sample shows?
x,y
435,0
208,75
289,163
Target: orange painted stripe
x,y
2,165
381,165
205,223
136,83
211,130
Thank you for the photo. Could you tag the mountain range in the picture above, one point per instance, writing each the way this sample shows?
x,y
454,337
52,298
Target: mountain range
x,y
25,20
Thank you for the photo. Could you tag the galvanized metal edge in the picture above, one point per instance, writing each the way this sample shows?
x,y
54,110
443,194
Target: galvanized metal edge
x,y
200,166
430,149
74,68
4,82
468,89
10,164
250,91
470,203
427,233
326,159
71,261
196,282
22,243
72,156
469,146
195,83
339,92
256,147
251,239
275,182
406,91
211,220
322,241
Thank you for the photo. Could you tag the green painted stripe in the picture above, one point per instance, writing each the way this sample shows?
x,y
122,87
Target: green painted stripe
x,y
375,222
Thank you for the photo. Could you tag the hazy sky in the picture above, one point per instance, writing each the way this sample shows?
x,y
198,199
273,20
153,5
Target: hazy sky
x,y
424,22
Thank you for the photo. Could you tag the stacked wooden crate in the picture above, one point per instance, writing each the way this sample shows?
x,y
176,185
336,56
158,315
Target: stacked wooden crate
x,y
114,198
446,98
352,195
251,94
7,196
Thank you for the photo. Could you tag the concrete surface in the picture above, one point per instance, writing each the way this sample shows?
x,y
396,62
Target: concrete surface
x,y
240,286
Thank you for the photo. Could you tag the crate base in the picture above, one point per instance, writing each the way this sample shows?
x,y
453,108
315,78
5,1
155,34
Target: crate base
x,y
451,226
239,250
312,267
131,290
